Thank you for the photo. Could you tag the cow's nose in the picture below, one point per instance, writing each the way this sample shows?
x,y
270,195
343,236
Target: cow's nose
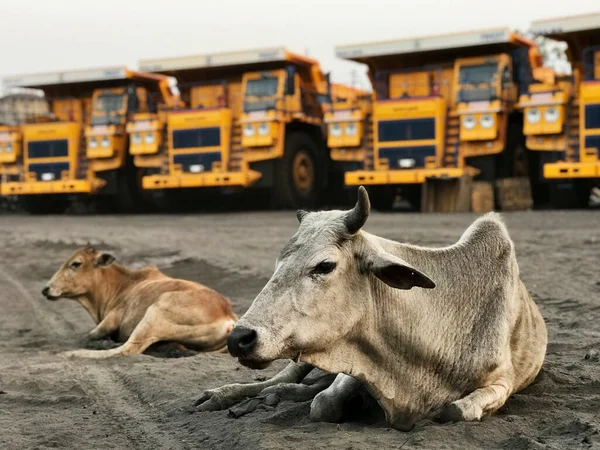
x,y
45,291
241,341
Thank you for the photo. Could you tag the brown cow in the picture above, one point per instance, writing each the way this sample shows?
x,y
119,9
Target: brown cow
x,y
141,307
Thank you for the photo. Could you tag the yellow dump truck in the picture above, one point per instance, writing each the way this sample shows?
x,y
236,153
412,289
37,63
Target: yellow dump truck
x,y
253,120
79,149
570,125
445,107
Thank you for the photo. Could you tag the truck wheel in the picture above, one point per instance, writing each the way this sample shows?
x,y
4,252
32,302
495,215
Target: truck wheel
x,y
296,177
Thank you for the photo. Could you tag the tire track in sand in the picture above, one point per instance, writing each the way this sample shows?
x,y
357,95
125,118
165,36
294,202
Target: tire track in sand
x,y
101,384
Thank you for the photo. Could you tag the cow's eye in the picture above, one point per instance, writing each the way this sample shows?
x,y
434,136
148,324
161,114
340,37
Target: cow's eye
x,y
324,267
75,265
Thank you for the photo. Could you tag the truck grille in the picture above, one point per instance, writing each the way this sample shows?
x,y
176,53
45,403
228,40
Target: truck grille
x,y
395,155
197,162
48,171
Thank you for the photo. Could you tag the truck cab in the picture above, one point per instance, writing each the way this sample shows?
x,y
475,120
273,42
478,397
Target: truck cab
x,y
574,165
442,109
251,121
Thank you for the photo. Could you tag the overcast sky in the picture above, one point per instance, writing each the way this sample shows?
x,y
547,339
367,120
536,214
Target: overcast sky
x,y
49,35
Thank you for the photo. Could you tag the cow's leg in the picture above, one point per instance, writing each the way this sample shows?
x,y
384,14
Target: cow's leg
x,y
328,406
99,337
146,333
271,396
479,403
171,319
106,327
230,394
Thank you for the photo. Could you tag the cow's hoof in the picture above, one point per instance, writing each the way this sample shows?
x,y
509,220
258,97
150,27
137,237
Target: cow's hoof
x,y
324,408
459,412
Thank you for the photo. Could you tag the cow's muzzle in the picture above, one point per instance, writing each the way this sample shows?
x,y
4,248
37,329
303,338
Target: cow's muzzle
x,y
241,342
46,293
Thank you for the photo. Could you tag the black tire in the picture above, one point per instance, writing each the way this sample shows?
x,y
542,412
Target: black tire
x,y
44,204
297,175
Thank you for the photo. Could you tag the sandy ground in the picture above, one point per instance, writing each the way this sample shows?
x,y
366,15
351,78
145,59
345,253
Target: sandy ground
x,y
146,402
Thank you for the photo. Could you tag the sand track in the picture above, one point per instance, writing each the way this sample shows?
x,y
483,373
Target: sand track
x,y
47,401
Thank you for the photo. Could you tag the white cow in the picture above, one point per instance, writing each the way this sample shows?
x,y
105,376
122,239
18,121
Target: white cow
x,y
449,332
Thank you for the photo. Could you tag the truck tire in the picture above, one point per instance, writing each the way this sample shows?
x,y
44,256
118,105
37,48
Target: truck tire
x,y
297,175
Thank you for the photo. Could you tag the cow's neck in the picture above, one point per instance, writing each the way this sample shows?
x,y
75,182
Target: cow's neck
x,y
104,298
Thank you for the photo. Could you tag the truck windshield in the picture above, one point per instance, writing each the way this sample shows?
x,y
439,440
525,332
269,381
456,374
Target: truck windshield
x,y
264,87
478,74
109,102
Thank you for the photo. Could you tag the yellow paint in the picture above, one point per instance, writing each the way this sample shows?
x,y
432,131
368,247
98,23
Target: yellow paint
x,y
207,179
408,176
76,117
88,186
68,131
140,128
10,148
479,133
546,143
431,107
565,170
213,118
590,95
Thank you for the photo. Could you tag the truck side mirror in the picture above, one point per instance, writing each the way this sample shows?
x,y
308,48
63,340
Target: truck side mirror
x,y
290,81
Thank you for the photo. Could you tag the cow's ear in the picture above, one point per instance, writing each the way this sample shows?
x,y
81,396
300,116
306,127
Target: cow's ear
x,y
301,214
397,273
104,260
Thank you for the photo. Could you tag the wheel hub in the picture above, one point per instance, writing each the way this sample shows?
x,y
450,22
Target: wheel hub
x,y
303,172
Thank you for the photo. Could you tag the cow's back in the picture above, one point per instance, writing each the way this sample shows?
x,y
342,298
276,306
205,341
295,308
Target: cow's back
x,y
157,286
464,326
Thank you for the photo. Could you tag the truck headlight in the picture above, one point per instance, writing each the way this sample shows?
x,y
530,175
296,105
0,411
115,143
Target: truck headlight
x,y
105,142
149,138
469,122
335,129
351,129
264,128
93,143
551,114
136,138
533,115
487,121
249,130
406,163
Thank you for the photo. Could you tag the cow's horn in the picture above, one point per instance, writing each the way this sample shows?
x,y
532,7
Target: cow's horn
x,y
357,216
